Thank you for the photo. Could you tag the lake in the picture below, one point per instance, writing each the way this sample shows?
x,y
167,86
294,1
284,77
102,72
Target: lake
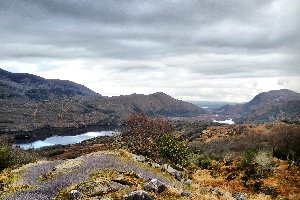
x,y
64,139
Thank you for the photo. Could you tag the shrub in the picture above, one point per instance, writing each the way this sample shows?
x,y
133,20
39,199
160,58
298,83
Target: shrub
x,y
203,161
6,140
143,130
12,155
248,157
286,141
256,164
6,157
172,149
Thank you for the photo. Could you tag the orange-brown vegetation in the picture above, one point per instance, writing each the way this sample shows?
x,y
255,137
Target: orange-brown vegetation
x,y
235,158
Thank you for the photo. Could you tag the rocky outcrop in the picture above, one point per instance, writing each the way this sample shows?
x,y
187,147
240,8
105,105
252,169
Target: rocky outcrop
x,y
155,186
137,195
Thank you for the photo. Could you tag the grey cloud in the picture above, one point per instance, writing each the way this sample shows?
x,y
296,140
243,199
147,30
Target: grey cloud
x,y
256,38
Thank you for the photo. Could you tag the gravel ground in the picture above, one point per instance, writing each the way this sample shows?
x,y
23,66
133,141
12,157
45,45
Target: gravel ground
x,y
46,190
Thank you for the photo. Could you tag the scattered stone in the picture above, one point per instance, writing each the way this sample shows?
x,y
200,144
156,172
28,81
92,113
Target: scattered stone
x,y
268,190
186,193
177,175
155,185
172,171
154,165
75,195
226,194
215,191
107,198
188,182
138,157
239,195
206,189
137,195
283,198
232,176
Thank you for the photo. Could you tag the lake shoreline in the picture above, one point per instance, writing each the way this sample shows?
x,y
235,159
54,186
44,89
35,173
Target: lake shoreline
x,y
46,132
64,140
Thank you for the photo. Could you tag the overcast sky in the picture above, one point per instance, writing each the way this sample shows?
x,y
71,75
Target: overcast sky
x,y
227,50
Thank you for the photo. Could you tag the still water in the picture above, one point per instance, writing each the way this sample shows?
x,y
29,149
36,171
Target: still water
x,y
64,139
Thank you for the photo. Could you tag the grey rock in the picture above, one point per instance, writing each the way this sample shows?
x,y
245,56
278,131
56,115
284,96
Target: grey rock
x,y
239,195
188,182
226,194
215,191
137,195
186,193
177,175
155,185
107,198
155,165
172,171
138,157
268,190
169,169
75,195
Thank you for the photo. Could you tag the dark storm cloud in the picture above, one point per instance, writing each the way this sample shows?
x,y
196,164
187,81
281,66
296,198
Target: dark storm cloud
x,y
192,38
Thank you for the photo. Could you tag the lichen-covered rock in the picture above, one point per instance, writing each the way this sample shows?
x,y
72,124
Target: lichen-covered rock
x,y
139,158
98,188
137,195
155,185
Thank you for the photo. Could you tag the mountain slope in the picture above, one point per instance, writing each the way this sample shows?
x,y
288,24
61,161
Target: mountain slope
x,y
157,104
37,88
275,105
273,97
284,111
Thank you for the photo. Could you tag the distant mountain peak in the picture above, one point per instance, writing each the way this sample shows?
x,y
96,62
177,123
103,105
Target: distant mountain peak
x,y
267,106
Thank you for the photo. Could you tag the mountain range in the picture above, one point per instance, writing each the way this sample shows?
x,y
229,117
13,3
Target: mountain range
x,y
31,102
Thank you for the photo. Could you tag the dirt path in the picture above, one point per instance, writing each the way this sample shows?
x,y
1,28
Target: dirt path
x,y
71,171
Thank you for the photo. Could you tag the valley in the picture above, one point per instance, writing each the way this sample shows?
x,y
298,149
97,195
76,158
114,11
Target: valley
x,y
184,145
